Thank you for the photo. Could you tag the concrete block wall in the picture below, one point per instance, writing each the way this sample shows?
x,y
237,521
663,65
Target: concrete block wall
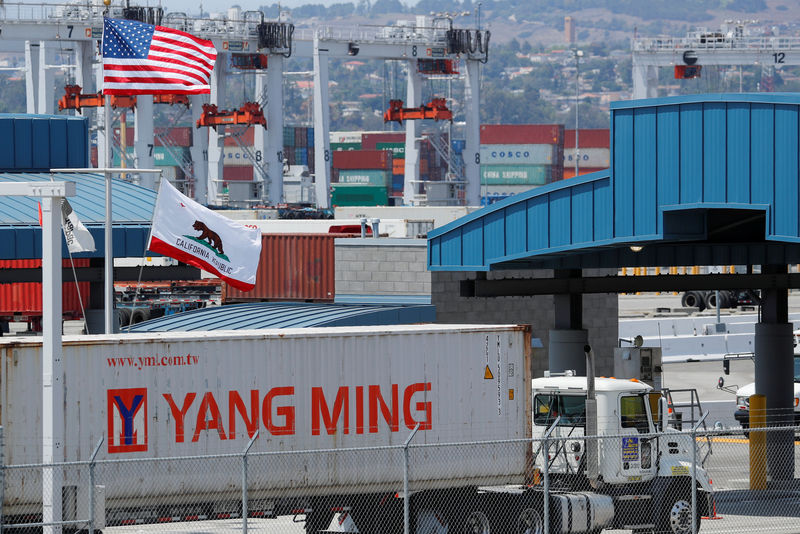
x,y
382,267
599,313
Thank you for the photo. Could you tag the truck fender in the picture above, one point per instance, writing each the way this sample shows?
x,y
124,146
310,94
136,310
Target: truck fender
x,y
670,469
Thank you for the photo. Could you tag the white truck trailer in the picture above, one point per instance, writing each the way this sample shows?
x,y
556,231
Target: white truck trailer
x,y
328,389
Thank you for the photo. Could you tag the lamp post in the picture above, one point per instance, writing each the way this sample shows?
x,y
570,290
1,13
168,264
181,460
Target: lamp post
x,y
578,55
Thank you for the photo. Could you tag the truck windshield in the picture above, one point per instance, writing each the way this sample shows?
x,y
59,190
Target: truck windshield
x,y
633,413
571,408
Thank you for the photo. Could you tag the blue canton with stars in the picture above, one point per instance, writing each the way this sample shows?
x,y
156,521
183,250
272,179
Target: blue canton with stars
x,y
126,39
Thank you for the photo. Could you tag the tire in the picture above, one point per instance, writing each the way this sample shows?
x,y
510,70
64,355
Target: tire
x,y
710,300
676,514
529,521
124,317
693,299
477,523
139,315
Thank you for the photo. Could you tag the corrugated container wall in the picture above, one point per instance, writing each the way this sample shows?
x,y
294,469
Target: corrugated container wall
x,y
25,298
292,267
589,138
38,143
180,136
362,159
369,141
438,370
522,134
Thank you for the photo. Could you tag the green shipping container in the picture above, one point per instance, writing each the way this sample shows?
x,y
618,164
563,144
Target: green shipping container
x,y
515,174
359,195
345,146
398,149
162,156
365,177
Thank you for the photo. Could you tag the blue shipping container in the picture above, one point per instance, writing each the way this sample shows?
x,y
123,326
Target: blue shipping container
x,y
301,156
310,137
37,143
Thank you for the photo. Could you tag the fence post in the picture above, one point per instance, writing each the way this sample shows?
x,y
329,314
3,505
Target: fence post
x,y
2,478
694,471
546,458
406,496
244,481
91,485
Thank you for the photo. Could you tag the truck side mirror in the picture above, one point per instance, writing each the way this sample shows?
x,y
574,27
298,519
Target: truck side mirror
x,y
663,408
726,366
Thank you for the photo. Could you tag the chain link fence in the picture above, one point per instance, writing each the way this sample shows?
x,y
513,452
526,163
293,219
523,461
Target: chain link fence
x,y
675,482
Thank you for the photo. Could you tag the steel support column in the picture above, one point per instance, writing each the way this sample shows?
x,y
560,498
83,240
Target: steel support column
x,y
199,150
568,338
47,79
273,146
216,157
143,139
411,185
472,97
31,76
774,370
322,150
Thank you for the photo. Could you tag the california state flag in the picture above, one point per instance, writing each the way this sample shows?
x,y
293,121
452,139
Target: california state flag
x,y
191,233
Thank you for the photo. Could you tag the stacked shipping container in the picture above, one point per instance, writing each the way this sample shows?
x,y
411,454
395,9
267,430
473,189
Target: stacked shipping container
x,y
517,157
361,177
594,151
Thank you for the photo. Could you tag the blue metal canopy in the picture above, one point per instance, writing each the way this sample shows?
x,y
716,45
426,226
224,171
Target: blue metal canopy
x,y
261,315
132,210
698,180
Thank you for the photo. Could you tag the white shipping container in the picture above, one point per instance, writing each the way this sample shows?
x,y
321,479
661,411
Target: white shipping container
x,y
390,227
591,158
185,394
441,215
237,156
518,154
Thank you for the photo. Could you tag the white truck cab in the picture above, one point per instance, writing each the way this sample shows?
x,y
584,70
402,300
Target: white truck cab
x,y
743,394
644,467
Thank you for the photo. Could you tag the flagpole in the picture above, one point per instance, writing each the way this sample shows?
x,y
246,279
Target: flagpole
x,y
108,277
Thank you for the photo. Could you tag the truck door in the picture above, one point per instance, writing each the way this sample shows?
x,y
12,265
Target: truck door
x,y
638,444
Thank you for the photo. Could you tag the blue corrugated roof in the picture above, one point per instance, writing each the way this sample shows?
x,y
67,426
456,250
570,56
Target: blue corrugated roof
x,y
260,315
697,180
132,210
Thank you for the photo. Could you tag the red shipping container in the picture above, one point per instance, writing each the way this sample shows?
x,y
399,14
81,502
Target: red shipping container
x,y
569,172
292,267
247,138
521,134
370,141
362,159
181,136
588,138
25,298
237,173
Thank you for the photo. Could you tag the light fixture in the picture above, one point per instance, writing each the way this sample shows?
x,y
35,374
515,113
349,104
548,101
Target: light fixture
x,y
636,248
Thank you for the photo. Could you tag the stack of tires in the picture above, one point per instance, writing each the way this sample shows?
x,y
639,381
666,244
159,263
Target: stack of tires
x,y
708,299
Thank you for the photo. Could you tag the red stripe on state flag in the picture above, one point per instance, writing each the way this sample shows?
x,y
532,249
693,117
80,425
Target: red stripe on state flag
x,y
161,247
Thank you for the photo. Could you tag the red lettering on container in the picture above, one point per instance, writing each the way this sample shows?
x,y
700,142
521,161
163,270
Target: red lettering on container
x,y
209,404
420,406
320,407
179,414
391,415
287,412
235,403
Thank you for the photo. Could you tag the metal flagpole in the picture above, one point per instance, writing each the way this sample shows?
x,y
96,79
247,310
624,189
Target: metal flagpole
x,y
108,311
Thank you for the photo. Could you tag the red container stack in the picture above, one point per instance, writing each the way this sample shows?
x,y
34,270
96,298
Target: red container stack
x,y
25,298
593,151
362,159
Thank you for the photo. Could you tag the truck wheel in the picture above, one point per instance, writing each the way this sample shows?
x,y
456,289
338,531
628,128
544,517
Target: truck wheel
x,y
693,299
529,522
710,300
477,523
676,516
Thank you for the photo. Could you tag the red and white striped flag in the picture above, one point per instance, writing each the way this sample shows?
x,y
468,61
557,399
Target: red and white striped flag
x,y
142,59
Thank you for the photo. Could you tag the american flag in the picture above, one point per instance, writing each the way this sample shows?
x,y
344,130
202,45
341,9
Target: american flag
x,y
142,59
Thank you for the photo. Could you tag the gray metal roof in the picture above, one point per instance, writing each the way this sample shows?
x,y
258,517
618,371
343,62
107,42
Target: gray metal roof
x,y
261,315
131,205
